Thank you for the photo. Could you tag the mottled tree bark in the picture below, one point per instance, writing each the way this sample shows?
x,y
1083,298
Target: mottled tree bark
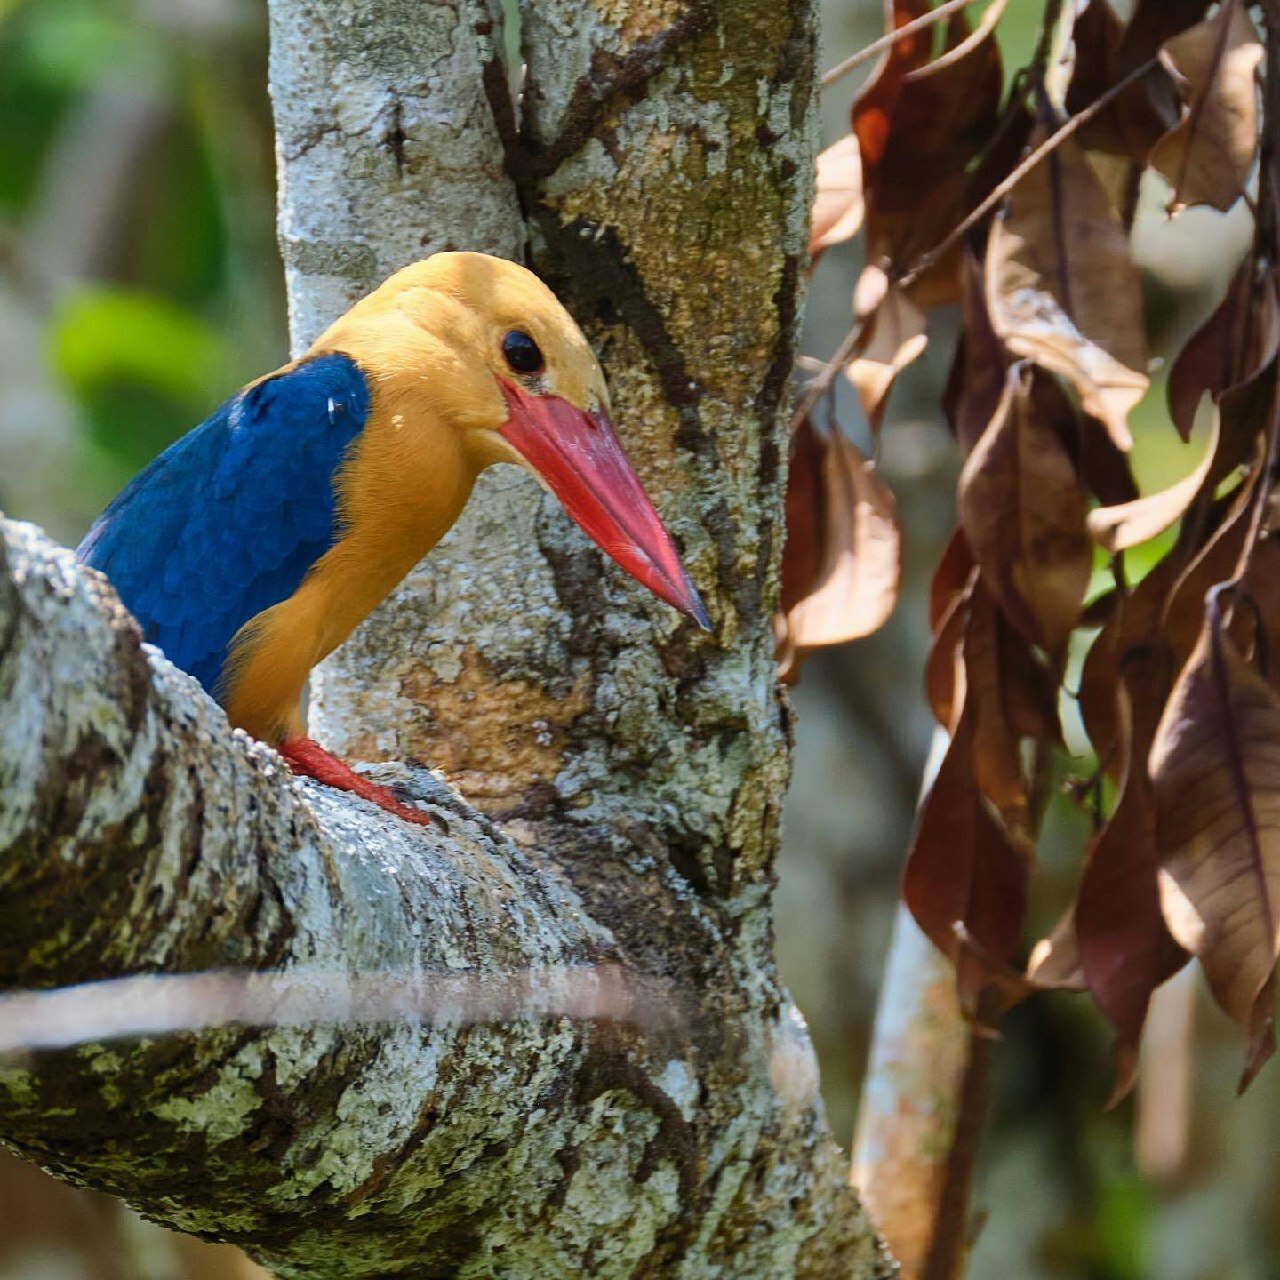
x,y
661,171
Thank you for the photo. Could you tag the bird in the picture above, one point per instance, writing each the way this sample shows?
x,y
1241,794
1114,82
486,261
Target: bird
x,y
253,546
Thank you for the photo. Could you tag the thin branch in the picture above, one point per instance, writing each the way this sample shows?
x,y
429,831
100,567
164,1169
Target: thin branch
x,y
949,1244
822,383
1042,152
140,838
984,28
155,1004
815,390
891,38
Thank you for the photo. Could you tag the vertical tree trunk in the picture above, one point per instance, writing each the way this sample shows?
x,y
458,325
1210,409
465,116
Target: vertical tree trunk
x,y
663,162
639,765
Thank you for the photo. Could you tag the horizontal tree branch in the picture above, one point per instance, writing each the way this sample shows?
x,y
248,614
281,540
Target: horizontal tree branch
x,y
139,834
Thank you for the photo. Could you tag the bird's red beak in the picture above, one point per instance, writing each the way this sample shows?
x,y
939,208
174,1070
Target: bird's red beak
x,y
579,457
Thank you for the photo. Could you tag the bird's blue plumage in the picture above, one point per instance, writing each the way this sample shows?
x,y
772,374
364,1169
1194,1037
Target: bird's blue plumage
x,y
227,521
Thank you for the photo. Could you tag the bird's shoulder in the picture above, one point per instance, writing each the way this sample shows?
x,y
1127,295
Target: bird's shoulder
x,y
227,521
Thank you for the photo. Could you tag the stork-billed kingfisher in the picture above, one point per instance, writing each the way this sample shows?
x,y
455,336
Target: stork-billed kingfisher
x,y
252,547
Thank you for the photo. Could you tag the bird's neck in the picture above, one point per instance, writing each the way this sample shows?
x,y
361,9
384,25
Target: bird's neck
x,y
403,485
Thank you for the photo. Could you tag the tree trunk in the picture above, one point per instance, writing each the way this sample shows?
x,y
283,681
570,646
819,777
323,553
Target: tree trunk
x,y
662,171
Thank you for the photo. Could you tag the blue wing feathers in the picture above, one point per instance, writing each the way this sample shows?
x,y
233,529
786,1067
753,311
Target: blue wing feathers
x,y
227,521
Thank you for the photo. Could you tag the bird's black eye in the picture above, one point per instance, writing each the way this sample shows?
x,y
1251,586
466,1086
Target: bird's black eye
x,y
522,352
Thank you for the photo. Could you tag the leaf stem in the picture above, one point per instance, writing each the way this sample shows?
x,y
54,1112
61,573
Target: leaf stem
x,y
892,37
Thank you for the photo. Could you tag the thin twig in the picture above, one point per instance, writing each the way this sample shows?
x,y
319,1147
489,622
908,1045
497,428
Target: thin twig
x,y
995,11
814,391
948,1246
892,38
1002,189
1265,247
819,386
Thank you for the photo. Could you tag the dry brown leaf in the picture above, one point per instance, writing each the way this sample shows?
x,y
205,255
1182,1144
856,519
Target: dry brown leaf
x,y
1207,157
1162,613
842,558
1152,23
1216,561
873,107
1258,624
1151,107
977,377
1029,691
1054,963
895,335
997,756
1124,946
1134,627
918,135
951,578
1105,52
1024,516
1012,696
965,882
1215,770
1238,340
837,205
1103,466
1095,40
1062,289
944,667
1131,523
1244,412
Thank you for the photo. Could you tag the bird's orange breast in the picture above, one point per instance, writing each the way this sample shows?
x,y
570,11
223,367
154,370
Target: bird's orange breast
x,y
403,485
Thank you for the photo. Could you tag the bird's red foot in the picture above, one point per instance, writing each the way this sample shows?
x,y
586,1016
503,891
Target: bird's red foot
x,y
310,760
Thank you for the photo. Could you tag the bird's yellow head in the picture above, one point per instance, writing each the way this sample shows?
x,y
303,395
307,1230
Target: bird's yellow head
x,y
476,354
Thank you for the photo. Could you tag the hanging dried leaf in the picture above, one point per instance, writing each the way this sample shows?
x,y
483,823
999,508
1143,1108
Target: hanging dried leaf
x,y
997,755
1105,52
1125,948
1162,613
837,205
1131,523
1012,697
944,667
1095,39
1207,157
1054,963
965,882
1153,23
1215,770
1133,628
1233,345
918,136
1151,107
894,336
1062,289
842,558
977,378
1103,466
873,108
1245,410
1023,513
952,577
1258,620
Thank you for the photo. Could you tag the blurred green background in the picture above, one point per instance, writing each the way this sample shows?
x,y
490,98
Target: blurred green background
x,y
139,276
140,283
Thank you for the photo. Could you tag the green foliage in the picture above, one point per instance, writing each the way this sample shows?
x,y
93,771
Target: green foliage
x,y
137,362
174,299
